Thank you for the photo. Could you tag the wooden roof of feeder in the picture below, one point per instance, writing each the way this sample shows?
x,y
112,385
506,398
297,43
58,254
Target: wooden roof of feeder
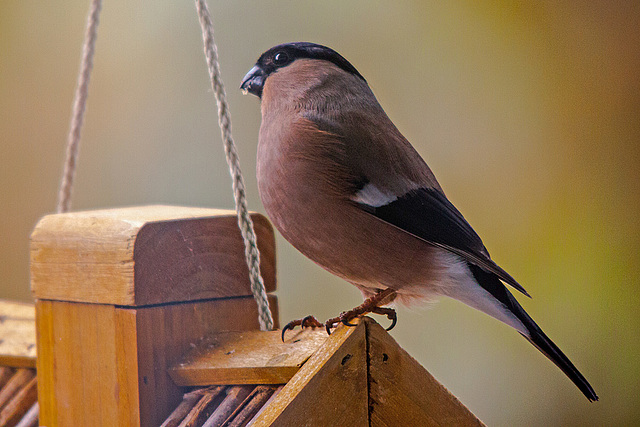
x,y
145,317
357,376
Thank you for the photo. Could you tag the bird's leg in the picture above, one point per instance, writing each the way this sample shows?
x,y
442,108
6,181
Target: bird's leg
x,y
370,305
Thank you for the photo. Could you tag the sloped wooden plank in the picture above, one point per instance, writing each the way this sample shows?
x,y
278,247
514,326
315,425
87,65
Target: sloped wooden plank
x,y
204,408
30,419
17,334
258,404
249,357
20,379
189,400
329,390
402,392
21,402
235,397
256,401
5,375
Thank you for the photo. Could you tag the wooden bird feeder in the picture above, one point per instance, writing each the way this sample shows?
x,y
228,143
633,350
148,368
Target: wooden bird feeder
x,y
144,317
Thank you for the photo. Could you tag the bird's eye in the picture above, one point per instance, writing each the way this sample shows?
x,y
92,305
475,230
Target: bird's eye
x,y
280,58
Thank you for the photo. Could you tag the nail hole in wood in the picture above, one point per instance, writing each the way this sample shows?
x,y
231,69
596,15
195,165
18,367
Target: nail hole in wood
x,y
345,359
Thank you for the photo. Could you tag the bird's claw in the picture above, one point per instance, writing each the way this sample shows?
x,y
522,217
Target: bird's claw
x,y
393,324
288,326
328,325
305,322
346,322
390,313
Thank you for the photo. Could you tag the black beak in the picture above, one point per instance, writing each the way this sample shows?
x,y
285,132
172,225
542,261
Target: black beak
x,y
253,81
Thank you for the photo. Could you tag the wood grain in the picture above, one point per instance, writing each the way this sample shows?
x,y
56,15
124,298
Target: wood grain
x,y
17,334
329,390
145,255
402,392
251,357
47,399
126,356
85,377
102,365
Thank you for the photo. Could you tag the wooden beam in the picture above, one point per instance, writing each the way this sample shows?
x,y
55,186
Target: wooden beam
x,y
329,390
145,255
250,357
111,363
17,334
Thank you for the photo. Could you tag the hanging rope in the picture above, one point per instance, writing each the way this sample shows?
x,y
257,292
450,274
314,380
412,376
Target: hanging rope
x,y
79,106
245,223
224,120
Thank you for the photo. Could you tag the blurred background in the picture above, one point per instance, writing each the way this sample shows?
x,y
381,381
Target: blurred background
x,y
528,113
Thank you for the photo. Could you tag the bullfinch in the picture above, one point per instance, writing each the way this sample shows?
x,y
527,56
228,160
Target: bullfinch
x,y
342,185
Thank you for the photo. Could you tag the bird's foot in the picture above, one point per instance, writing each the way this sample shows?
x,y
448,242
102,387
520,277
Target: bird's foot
x,y
306,322
370,305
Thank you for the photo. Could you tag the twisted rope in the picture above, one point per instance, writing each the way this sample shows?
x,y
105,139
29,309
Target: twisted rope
x,y
79,106
245,223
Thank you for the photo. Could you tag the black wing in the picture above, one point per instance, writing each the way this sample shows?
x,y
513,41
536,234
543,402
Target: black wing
x,y
429,215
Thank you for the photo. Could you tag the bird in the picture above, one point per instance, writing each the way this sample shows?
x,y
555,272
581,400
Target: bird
x,y
341,184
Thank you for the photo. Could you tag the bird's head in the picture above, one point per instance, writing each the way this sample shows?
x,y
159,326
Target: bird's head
x,y
283,55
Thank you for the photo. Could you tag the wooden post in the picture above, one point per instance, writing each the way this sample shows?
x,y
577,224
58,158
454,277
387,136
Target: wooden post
x,y
121,295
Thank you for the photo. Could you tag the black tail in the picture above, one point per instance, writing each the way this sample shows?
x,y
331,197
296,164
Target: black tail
x,y
492,284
